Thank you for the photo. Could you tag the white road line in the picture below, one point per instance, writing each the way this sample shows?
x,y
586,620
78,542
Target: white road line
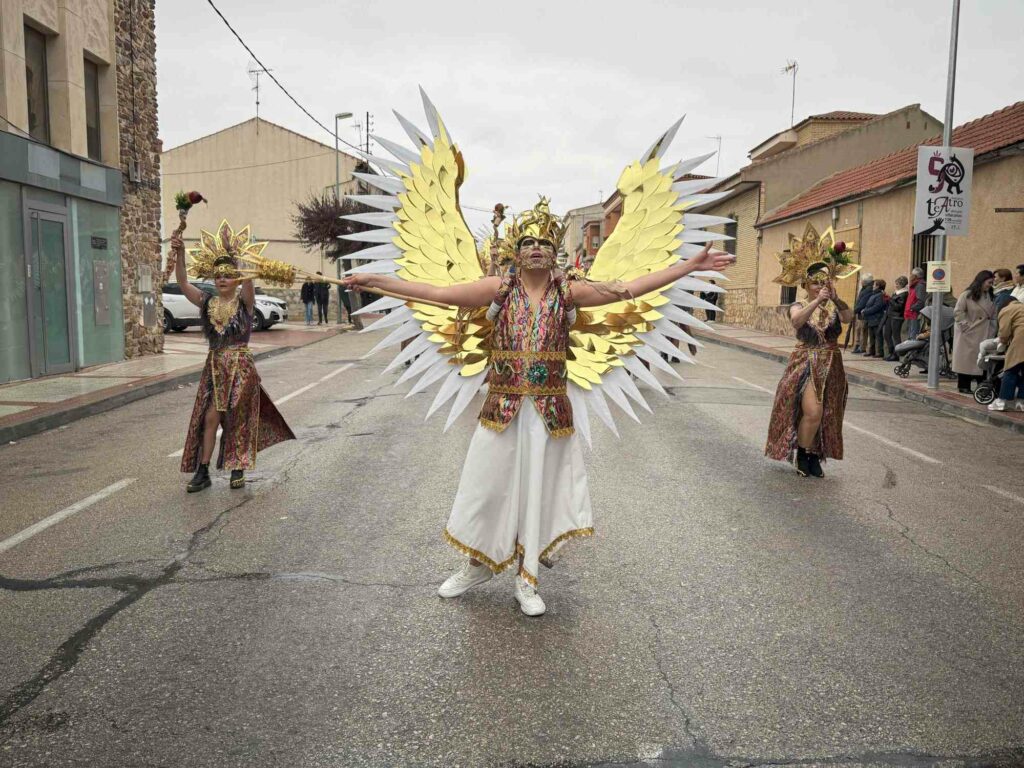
x,y
56,517
855,428
892,443
755,386
288,397
1004,494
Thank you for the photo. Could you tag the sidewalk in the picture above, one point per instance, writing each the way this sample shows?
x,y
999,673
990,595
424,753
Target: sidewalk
x,y
36,405
870,373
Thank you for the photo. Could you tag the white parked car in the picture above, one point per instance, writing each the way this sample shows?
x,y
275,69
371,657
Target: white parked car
x,y
180,313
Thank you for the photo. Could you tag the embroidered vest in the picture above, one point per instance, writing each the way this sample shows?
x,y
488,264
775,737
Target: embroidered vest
x,y
528,352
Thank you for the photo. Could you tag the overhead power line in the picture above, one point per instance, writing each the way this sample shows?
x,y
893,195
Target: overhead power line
x,y
270,74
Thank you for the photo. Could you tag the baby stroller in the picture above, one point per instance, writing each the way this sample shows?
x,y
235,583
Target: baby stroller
x,y
991,357
915,351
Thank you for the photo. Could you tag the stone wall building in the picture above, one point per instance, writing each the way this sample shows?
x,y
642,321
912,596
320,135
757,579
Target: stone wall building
x,y
79,174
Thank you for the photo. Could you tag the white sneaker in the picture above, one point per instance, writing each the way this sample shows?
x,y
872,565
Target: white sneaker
x,y
1019,405
464,580
997,405
529,601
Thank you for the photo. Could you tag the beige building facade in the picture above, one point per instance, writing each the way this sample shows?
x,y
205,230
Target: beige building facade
x,y
873,206
783,167
79,180
254,173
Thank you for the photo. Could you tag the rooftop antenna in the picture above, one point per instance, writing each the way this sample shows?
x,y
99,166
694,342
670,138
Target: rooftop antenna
x,y
255,70
792,66
718,154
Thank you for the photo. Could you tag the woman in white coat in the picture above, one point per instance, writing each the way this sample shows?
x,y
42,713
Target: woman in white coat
x,y
975,317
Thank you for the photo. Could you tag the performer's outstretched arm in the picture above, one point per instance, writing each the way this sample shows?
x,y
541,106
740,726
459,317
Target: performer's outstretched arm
x,y
479,293
190,292
592,295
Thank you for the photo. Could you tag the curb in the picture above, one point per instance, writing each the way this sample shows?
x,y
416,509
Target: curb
x,y
56,419
867,380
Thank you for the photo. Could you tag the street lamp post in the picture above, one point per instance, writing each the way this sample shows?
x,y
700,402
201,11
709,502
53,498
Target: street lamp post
x,y
337,196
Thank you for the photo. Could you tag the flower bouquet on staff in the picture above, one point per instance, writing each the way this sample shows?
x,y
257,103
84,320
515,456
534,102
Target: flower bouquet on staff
x,y
183,201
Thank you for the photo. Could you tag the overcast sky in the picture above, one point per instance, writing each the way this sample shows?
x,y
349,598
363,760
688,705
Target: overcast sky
x,y
558,97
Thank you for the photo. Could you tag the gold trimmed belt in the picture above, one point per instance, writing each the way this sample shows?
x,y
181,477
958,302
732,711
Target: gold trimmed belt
x,y
525,354
816,348
242,350
526,389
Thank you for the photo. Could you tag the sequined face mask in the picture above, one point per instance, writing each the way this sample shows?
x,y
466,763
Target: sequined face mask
x,y
528,257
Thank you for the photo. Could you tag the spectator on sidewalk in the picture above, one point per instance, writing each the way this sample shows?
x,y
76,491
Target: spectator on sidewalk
x,y
867,290
874,318
1018,279
1011,333
894,319
1002,289
308,296
916,300
975,321
711,297
323,298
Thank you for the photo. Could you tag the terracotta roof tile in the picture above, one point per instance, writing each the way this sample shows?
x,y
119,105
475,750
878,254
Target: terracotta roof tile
x,y
984,135
840,114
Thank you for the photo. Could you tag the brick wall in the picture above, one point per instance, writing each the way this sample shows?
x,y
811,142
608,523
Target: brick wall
x,y
135,42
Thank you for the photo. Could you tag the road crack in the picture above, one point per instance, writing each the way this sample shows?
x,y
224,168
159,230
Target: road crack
x,y
904,531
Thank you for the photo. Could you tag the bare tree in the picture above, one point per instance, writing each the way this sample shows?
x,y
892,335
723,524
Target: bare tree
x,y
318,227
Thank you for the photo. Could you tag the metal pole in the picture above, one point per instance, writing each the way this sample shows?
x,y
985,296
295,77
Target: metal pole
x,y
940,250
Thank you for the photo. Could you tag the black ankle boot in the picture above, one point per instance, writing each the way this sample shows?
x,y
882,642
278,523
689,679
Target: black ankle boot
x,y
801,462
237,478
200,480
814,465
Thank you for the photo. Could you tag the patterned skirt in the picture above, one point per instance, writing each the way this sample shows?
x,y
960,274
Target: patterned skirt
x,y
251,422
822,368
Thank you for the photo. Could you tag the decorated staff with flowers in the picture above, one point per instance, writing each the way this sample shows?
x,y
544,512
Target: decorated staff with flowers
x,y
229,393
807,417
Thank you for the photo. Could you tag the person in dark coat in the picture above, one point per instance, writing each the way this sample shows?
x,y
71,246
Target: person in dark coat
x,y
308,296
322,291
711,297
893,328
867,289
874,315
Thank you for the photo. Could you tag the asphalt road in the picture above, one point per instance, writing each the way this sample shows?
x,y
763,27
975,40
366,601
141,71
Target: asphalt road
x,y
727,612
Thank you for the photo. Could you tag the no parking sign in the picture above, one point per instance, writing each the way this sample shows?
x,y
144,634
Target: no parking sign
x,y
938,277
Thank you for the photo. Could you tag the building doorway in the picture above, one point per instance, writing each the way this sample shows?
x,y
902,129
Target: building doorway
x,y
49,269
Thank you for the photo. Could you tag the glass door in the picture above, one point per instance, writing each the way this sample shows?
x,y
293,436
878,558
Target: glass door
x,y
48,294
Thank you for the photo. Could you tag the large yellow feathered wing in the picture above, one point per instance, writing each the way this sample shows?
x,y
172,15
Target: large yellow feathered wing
x,y
426,240
653,232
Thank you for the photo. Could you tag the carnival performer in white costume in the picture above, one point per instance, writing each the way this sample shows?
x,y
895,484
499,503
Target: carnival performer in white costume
x,y
523,491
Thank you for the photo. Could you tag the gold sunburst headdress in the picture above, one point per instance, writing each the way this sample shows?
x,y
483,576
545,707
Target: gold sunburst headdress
x,y
235,254
815,257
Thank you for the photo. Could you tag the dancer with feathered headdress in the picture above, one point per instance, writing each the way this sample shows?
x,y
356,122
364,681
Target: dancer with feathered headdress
x,y
810,402
229,394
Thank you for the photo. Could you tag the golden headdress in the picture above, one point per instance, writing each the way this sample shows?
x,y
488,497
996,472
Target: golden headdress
x,y
222,251
815,257
538,222
226,253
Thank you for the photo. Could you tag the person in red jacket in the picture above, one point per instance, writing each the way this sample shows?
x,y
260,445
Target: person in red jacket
x,y
916,300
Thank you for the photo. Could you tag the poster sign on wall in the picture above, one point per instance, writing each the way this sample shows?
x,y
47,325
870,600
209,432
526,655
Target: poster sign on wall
x,y
943,202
